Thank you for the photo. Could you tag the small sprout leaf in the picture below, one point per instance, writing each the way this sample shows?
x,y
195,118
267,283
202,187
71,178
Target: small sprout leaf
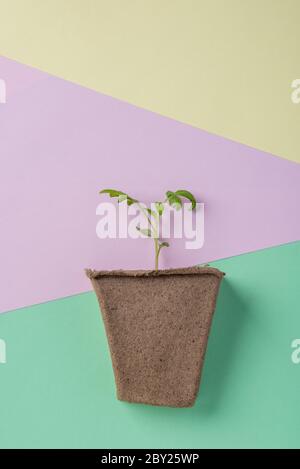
x,y
151,213
122,197
112,192
146,232
174,200
164,245
159,208
131,201
187,195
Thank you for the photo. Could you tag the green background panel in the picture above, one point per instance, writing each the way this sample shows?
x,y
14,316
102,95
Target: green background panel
x,y
57,386
222,65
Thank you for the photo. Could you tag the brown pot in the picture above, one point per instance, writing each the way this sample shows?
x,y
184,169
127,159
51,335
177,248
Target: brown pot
x,y
157,324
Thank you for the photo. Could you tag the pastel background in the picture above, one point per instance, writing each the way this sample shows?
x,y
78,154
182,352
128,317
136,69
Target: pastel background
x,y
148,96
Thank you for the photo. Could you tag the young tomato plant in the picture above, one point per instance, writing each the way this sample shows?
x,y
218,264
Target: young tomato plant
x,y
174,199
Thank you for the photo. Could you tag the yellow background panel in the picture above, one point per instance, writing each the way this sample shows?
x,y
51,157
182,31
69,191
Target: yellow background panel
x,y
222,65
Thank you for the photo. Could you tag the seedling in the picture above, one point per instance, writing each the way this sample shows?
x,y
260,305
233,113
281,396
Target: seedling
x,y
174,199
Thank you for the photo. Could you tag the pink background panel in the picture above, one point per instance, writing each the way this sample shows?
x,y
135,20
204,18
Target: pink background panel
x,y
61,143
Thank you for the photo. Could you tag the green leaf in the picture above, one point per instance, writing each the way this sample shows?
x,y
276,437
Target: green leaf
x,y
153,214
159,208
177,206
164,245
174,200
112,192
169,194
122,197
131,201
146,232
187,195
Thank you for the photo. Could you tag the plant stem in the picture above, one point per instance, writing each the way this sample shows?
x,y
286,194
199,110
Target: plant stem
x,y
156,243
155,234
157,250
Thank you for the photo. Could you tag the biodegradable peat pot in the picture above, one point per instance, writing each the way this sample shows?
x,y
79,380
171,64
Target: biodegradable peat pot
x,y
157,324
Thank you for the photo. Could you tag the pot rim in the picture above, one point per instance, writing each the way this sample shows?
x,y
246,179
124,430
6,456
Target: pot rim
x,y
195,270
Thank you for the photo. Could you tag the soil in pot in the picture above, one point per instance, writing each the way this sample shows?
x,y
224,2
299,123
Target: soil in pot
x,y
157,324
